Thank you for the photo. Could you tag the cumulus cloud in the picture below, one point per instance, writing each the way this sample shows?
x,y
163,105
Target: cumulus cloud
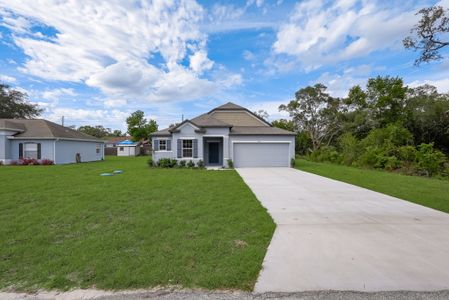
x,y
323,32
109,45
199,62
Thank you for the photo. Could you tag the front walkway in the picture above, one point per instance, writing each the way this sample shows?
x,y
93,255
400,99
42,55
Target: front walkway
x,y
335,236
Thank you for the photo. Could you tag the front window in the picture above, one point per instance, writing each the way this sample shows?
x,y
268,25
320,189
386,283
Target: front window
x,y
187,148
162,144
122,149
30,150
98,148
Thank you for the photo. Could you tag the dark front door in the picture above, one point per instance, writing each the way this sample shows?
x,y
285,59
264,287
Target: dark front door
x,y
214,153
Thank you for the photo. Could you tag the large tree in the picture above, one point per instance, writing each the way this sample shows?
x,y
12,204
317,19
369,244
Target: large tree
x,y
138,127
14,104
427,116
284,124
315,112
430,35
381,103
98,131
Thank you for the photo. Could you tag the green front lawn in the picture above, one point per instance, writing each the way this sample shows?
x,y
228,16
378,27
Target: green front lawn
x,y
429,192
65,226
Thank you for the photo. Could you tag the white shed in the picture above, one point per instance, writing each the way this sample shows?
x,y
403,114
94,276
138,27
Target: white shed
x,y
128,148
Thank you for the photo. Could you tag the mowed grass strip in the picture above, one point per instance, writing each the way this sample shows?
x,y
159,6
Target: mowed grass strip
x,y
433,193
65,227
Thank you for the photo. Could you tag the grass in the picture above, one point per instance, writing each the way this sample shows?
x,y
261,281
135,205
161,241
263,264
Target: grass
x,y
425,191
65,227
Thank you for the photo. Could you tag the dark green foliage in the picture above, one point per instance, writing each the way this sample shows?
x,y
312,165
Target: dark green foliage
x,y
303,143
230,164
430,161
427,116
96,131
326,153
182,163
292,162
167,163
284,124
190,164
378,127
14,104
200,164
139,128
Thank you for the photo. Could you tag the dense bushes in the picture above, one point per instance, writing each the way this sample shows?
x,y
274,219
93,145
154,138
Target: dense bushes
x,y
31,162
390,148
173,163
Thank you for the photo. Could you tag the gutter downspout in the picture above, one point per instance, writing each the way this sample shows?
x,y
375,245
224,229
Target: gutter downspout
x,y
54,151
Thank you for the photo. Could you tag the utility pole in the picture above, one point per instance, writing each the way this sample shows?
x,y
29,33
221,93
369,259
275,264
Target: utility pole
x,y
62,120
182,118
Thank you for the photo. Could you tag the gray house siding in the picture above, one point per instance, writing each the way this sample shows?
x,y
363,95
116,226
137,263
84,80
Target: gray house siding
x,y
5,154
66,151
187,131
47,148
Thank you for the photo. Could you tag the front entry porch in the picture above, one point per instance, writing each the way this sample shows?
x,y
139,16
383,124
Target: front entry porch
x,y
213,151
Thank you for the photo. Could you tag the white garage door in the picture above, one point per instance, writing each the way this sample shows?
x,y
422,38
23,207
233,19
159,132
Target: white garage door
x,y
261,155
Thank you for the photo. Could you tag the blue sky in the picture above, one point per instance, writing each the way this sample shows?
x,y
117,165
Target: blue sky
x,y
96,62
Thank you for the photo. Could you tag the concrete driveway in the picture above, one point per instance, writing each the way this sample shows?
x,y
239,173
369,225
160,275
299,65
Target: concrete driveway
x,y
335,236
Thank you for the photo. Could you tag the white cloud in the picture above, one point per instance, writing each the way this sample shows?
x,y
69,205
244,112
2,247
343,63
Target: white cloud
x,y
339,83
272,108
442,85
58,93
73,116
8,79
109,45
199,62
115,102
322,32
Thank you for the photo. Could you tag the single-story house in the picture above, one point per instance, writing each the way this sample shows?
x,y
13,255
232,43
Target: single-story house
x,y
228,132
41,139
128,148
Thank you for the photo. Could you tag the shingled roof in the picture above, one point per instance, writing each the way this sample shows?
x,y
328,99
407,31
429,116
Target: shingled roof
x,y
39,128
229,106
208,120
259,130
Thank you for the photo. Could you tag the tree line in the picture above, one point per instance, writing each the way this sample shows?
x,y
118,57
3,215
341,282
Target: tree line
x,y
384,125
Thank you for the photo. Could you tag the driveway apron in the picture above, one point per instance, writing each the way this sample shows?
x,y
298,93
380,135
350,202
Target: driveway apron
x,y
335,236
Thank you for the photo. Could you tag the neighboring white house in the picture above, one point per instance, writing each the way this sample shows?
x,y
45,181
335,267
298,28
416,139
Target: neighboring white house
x,y
42,139
128,148
228,132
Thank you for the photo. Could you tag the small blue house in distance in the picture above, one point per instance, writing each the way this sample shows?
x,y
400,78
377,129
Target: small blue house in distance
x,y
128,148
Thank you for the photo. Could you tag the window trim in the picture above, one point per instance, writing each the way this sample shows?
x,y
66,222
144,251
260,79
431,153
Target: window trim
x,y
159,146
24,155
186,148
165,145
